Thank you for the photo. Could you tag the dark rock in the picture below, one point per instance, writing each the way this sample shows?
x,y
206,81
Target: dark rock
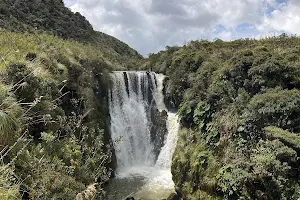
x,y
126,82
173,196
129,198
158,129
179,193
101,181
149,92
31,56
168,100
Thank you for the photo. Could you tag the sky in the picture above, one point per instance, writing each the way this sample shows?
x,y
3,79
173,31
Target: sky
x,y
150,25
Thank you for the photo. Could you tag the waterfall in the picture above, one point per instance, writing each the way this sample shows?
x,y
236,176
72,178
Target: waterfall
x,y
129,105
159,95
165,157
144,131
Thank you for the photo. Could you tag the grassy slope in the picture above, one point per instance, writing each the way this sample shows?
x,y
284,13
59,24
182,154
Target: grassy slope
x,y
53,100
234,99
52,17
53,89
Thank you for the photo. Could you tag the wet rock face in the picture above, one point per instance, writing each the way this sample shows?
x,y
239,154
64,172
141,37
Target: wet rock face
x,y
173,196
158,129
168,100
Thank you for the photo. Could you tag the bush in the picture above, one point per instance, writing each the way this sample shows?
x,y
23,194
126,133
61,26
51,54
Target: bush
x,y
290,139
9,188
10,117
275,107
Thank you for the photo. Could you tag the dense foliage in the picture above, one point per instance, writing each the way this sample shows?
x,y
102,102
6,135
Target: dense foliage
x,y
239,106
53,117
54,120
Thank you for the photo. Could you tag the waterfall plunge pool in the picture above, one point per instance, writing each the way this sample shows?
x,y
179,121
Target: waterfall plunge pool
x,y
147,183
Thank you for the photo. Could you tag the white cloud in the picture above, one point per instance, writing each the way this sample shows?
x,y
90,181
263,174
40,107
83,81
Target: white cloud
x,y
150,25
284,18
69,2
225,35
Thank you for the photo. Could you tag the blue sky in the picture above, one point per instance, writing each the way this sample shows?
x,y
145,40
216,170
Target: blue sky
x,y
150,25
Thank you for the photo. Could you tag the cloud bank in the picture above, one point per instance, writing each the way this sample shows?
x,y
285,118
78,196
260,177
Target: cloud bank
x,y
150,25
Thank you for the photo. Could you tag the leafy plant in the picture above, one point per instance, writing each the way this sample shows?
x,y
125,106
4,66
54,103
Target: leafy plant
x,y
240,105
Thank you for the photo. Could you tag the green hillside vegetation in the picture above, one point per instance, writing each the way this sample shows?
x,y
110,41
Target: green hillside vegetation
x,y
53,116
54,120
239,106
53,17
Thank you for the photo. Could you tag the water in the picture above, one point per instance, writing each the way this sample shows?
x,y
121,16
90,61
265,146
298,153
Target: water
x,y
159,96
165,157
140,173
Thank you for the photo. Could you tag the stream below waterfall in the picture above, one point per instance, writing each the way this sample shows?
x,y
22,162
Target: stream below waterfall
x,y
144,134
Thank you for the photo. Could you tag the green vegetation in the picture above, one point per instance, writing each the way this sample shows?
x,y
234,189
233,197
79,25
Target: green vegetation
x,y
54,116
52,17
288,138
54,120
239,106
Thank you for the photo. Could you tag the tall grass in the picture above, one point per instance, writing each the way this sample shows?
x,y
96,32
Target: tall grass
x,y
15,47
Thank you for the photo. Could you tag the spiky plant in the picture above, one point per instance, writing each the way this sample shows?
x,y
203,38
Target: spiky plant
x,y
10,117
9,189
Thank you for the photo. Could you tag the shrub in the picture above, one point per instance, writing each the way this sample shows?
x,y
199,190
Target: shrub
x,y
10,117
9,188
290,139
278,108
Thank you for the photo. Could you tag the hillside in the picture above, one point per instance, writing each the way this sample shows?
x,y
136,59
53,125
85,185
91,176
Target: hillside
x,y
239,106
54,120
53,116
52,17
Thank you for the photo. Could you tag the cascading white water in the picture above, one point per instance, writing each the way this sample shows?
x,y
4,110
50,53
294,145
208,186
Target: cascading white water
x,y
132,96
129,111
159,95
165,157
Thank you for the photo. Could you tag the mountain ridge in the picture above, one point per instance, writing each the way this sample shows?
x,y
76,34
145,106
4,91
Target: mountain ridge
x,y
54,18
